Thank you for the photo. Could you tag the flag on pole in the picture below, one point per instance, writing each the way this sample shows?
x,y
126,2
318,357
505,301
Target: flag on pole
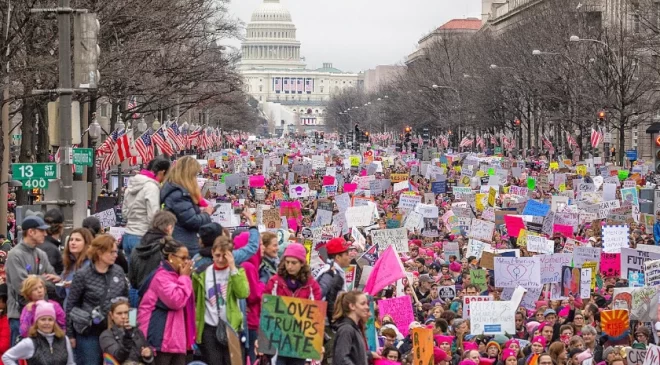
x,y
596,137
571,141
109,144
386,271
175,135
547,144
466,141
144,147
124,146
160,139
481,142
493,140
131,105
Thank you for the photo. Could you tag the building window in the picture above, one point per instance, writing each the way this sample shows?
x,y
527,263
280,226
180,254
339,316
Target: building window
x,y
104,110
260,98
260,88
321,88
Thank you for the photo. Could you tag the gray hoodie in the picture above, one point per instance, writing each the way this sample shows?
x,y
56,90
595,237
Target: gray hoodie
x,y
141,203
22,261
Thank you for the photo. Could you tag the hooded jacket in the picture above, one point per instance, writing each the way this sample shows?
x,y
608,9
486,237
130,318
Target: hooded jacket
x,y
141,202
22,261
189,218
145,257
350,345
51,247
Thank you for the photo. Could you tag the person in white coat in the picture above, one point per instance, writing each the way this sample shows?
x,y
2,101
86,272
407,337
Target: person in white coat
x,y
142,202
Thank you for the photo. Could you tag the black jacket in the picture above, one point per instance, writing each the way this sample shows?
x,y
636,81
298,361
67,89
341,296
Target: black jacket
x,y
350,346
123,345
52,248
145,257
88,291
331,284
189,217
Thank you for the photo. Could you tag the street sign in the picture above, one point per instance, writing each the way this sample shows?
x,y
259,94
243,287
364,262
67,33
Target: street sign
x,y
27,171
607,138
83,156
498,150
631,155
35,183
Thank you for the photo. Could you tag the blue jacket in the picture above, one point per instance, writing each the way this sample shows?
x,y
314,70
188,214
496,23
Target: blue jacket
x,y
656,232
188,215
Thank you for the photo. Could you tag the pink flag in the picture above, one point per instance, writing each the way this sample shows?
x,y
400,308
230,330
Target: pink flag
x,y
387,270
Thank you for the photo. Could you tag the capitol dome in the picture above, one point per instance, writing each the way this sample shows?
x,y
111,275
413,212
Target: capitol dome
x,y
271,11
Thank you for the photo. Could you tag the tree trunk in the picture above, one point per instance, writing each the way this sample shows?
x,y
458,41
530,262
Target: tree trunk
x,y
622,141
43,141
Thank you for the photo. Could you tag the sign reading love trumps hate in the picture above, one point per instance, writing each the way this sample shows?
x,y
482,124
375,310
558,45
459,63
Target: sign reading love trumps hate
x,y
292,327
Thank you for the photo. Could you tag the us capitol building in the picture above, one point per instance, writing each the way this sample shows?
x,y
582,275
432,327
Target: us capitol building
x,y
291,96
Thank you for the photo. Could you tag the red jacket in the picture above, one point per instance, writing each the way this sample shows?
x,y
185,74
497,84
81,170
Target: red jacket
x,y
5,336
310,290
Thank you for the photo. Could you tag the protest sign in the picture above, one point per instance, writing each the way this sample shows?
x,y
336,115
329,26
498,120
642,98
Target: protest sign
x,y
422,340
117,232
447,292
540,244
395,178
610,264
271,217
615,238
108,218
467,302
652,352
615,323
513,225
635,356
408,202
483,320
482,230
585,283
299,191
511,272
386,237
360,216
401,311
451,248
475,248
518,190
551,266
478,278
652,273
292,327
582,254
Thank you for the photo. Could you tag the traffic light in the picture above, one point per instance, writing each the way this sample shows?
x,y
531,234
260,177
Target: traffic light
x,y
408,136
349,137
366,137
601,116
426,137
322,135
86,51
656,147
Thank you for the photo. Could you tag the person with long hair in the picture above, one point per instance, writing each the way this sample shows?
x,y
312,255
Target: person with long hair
x,y
349,319
46,343
217,292
145,257
167,311
558,353
34,291
293,279
122,341
182,196
55,219
88,303
74,257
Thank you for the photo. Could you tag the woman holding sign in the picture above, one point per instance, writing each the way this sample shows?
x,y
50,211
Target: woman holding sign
x,y
351,314
293,279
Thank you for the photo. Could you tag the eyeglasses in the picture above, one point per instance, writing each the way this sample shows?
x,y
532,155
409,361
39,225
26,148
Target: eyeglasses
x,y
184,258
113,252
118,299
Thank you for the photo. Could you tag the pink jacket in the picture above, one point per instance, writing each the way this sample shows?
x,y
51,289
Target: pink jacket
x,y
251,267
27,317
167,311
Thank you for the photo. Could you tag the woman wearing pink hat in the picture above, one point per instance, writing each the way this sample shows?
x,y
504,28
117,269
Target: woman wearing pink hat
x,y
46,343
509,357
293,279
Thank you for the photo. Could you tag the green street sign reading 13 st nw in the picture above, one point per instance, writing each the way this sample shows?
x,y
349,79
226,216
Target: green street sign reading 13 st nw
x,y
30,171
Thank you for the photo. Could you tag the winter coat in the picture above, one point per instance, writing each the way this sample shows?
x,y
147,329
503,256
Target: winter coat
x,y
166,314
204,257
5,340
237,288
22,261
87,290
251,267
331,283
141,202
268,268
309,290
350,344
122,347
188,215
656,232
51,247
145,257
44,349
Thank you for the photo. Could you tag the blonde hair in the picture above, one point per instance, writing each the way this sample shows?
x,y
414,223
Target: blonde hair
x,y
29,284
184,173
57,330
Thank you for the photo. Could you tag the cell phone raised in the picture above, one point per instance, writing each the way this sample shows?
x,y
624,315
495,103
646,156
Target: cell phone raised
x,y
132,317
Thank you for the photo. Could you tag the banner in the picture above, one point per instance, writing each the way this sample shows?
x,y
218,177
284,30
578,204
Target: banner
x,y
292,327
401,311
511,272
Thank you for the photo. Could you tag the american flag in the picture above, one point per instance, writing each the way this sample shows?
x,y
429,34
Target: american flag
x,y
108,160
481,142
596,137
160,139
511,143
493,140
109,144
571,141
193,137
131,105
507,142
547,144
124,147
445,141
175,135
201,140
466,141
144,147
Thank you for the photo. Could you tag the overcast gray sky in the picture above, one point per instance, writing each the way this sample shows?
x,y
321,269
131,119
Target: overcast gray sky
x,y
360,34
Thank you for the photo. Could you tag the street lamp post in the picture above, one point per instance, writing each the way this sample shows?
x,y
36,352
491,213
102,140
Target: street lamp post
x,y
94,134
